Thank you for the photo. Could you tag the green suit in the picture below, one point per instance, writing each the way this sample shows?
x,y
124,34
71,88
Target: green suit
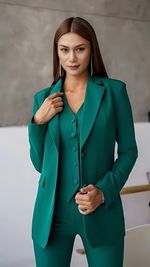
x,y
106,118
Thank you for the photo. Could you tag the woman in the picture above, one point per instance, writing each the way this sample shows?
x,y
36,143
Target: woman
x,y
72,135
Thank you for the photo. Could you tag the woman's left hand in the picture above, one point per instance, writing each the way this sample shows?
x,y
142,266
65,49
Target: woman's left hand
x,y
88,202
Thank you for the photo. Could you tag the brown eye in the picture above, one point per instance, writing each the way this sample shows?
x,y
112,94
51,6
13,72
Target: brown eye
x,y
80,49
64,50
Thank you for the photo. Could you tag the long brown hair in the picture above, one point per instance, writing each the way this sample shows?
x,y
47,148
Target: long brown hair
x,y
83,28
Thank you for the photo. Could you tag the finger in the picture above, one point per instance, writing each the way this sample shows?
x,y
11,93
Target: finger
x,y
57,99
58,104
81,196
84,212
88,188
92,193
55,95
88,198
83,207
85,203
58,109
53,101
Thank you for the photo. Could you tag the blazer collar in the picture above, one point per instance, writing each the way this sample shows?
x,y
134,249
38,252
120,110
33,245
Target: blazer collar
x,y
93,97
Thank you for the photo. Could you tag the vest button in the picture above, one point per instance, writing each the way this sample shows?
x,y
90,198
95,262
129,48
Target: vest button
x,y
75,163
74,148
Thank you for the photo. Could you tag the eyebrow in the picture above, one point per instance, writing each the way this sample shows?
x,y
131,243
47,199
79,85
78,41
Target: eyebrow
x,y
75,46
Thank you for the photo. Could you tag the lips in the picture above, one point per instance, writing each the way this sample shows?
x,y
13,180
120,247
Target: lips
x,y
74,67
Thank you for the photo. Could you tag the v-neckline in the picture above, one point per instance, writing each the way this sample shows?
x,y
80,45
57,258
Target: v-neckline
x,y
70,107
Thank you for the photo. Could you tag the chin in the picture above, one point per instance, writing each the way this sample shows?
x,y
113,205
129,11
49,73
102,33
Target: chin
x,y
75,73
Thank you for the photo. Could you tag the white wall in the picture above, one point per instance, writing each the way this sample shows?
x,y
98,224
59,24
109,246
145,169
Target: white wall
x,y
18,182
17,193
136,206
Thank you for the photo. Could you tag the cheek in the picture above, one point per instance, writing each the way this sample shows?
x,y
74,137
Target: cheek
x,y
63,58
86,59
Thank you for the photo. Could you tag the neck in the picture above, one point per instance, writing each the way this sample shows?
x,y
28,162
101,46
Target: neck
x,y
75,83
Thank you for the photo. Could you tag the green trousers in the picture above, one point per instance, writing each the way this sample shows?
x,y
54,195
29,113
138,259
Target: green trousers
x,y
67,223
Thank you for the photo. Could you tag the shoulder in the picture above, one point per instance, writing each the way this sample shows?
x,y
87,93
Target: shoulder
x,y
115,83
111,82
114,86
43,93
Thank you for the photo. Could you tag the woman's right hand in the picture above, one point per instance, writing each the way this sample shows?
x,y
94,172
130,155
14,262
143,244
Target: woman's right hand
x,y
49,108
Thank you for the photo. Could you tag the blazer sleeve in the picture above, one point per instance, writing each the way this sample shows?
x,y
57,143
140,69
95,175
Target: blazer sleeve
x,y
36,135
113,181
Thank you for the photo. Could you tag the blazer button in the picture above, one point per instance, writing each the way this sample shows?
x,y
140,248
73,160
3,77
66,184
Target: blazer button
x,y
76,181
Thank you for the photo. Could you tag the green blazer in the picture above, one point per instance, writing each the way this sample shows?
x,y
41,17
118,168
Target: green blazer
x,y
107,118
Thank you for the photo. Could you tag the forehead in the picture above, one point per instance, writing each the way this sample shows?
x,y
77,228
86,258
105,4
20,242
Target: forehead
x,y
72,39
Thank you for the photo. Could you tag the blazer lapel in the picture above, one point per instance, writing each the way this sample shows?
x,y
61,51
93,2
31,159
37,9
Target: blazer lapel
x,y
93,98
53,125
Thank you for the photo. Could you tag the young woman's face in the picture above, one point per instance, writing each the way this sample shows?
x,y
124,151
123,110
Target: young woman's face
x,y
74,53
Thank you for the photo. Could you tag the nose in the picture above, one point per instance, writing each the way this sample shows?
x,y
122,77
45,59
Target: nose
x,y
72,56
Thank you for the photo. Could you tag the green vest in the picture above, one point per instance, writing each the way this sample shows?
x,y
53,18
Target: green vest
x,y
69,175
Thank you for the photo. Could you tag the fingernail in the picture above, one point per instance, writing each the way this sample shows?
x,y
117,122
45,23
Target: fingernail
x,y
82,190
